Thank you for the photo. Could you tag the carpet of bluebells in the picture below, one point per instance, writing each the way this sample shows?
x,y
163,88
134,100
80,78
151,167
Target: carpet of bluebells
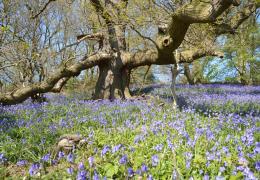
x,y
213,135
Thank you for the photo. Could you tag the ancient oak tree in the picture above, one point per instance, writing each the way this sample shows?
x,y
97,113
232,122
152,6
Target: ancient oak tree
x,y
114,25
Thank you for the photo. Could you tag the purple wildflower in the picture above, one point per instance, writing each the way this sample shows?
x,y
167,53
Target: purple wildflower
x,y
95,177
2,158
82,175
70,158
257,166
61,155
249,174
70,170
138,171
188,164
91,161
158,147
206,177
81,166
155,160
222,169
46,158
123,159
22,163
144,168
130,172
220,178
105,150
150,177
116,148
34,169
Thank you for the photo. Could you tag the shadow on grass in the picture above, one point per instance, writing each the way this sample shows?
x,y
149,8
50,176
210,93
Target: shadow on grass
x,y
7,122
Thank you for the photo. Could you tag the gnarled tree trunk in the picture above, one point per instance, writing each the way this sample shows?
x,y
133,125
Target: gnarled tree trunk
x,y
188,75
113,82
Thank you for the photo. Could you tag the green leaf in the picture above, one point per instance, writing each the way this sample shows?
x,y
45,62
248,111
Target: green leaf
x,y
111,170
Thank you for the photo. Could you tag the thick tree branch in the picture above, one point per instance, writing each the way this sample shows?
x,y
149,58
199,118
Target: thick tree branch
x,y
59,85
195,12
236,21
20,95
189,56
150,57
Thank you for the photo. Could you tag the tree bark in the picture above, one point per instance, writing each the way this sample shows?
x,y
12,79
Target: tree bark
x,y
188,75
175,72
113,82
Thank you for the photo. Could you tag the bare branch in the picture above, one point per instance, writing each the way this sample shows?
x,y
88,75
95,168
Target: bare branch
x,y
236,21
43,9
97,36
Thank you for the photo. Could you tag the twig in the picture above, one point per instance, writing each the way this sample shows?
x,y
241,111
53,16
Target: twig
x,y
43,9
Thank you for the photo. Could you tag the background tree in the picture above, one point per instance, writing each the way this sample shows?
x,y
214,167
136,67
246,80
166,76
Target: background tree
x,y
243,52
230,40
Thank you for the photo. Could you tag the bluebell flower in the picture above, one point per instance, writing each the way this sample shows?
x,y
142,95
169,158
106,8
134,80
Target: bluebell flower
x,y
82,175
206,177
116,148
70,158
70,170
155,160
34,169
144,168
248,174
188,164
95,177
150,177
60,155
91,161
174,174
220,178
240,168
222,169
210,156
130,172
54,162
138,171
170,144
81,166
158,147
139,138
242,161
46,158
225,149
123,159
2,158
257,166
105,150
188,155
22,163
257,150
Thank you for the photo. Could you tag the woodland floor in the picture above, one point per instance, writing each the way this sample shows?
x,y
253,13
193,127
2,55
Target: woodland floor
x,y
212,135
